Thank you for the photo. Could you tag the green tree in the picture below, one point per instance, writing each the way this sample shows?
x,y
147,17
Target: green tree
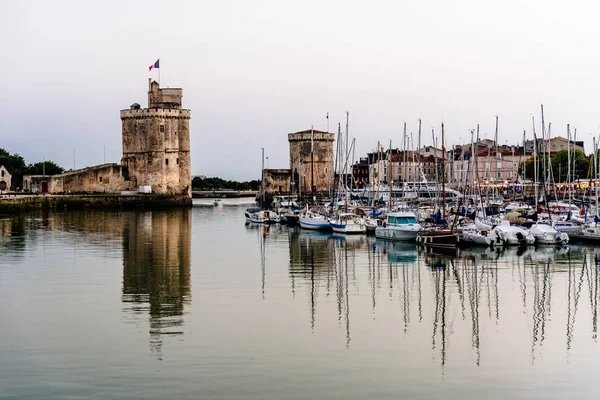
x,y
15,165
560,166
47,167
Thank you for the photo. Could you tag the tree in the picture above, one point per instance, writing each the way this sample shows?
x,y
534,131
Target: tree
x,y
40,168
15,165
560,166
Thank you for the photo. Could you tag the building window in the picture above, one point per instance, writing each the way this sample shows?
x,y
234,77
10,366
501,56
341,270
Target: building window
x,y
178,161
100,179
162,128
149,158
3,173
167,161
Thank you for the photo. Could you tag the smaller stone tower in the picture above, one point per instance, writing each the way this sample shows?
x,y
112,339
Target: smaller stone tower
x,y
156,143
320,144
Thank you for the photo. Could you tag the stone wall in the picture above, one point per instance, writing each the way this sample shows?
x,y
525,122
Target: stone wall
x,y
277,181
105,178
156,143
300,160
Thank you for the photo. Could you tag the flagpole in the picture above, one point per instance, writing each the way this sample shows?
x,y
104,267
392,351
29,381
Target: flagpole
x,y
327,121
158,70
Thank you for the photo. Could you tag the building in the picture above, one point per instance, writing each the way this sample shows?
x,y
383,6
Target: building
x,y
5,179
156,153
360,172
156,143
311,161
277,181
494,165
554,145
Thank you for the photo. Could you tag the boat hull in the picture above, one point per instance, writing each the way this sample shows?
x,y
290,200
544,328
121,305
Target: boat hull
x,y
396,233
315,224
348,229
443,238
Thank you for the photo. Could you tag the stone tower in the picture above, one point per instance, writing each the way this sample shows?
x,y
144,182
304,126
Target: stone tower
x,y
301,144
156,143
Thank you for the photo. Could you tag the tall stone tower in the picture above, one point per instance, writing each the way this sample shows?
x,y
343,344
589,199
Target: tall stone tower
x,y
320,170
156,143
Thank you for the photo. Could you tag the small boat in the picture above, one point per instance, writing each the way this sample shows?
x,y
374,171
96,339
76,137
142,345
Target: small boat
x,y
545,234
588,235
314,221
474,237
568,226
218,202
400,225
505,234
264,217
437,237
348,223
249,211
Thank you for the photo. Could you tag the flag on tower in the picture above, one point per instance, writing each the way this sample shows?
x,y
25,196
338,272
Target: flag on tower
x,y
155,65
327,115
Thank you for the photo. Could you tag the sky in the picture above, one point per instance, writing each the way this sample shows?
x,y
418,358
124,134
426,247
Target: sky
x,y
253,71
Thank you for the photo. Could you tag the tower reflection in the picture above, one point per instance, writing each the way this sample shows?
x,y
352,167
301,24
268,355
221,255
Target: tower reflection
x,y
156,271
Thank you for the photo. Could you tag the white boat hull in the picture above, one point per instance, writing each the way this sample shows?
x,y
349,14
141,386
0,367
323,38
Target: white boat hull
x,y
400,233
349,228
315,224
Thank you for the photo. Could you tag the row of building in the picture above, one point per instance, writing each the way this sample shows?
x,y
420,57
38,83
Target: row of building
x,y
492,163
312,168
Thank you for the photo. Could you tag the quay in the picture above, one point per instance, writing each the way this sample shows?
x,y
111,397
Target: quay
x,y
229,194
9,204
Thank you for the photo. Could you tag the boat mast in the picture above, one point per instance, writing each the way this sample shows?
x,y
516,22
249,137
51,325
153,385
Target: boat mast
x,y
262,180
568,164
535,163
312,164
346,159
496,159
443,175
419,149
390,175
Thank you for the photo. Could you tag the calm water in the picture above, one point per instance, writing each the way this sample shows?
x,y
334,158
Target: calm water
x,y
195,304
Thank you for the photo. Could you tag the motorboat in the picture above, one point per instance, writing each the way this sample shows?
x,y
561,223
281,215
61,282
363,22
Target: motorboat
x,y
475,237
249,211
312,220
372,223
589,234
348,223
569,226
506,234
399,225
264,217
545,234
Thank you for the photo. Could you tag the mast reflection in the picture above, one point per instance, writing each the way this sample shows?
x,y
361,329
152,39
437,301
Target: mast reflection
x,y
156,271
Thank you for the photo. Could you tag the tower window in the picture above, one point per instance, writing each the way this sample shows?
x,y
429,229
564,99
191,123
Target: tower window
x,y
162,128
149,158
167,161
100,179
178,161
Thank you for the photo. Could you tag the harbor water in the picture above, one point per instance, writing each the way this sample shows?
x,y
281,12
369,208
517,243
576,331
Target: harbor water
x,y
194,303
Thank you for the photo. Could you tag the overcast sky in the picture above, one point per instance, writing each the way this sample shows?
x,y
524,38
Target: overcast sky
x,y
253,71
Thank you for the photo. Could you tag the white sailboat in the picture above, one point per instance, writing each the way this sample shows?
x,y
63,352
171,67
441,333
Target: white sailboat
x,y
348,223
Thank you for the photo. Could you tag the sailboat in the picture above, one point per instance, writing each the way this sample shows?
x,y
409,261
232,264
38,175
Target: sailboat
x,y
439,237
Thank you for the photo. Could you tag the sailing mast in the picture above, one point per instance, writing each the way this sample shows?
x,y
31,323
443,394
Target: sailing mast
x,y
535,163
390,175
568,164
312,163
495,160
443,175
262,180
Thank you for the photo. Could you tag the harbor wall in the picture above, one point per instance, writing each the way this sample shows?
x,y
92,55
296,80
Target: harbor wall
x,y
80,202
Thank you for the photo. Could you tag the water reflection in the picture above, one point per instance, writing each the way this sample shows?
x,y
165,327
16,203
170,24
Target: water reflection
x,y
156,271
448,293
